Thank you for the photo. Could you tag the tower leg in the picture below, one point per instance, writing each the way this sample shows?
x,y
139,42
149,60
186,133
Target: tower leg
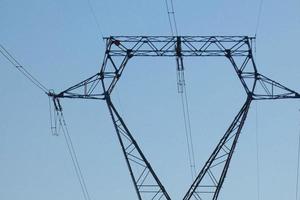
x,y
146,182
209,181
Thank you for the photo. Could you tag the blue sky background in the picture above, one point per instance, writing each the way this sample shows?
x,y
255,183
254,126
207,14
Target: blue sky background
x,y
58,41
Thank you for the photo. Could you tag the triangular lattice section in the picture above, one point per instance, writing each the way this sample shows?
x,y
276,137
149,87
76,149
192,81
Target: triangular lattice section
x,y
270,89
209,181
146,183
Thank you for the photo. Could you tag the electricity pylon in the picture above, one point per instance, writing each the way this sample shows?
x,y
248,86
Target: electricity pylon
x,y
120,49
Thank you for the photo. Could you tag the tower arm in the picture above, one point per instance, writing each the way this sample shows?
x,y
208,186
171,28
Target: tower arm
x,y
268,89
82,90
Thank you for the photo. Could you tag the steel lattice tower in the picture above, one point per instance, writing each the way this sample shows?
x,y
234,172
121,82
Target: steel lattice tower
x,y
121,49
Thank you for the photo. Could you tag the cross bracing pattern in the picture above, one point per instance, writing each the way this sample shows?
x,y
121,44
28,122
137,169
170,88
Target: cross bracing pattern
x,y
121,49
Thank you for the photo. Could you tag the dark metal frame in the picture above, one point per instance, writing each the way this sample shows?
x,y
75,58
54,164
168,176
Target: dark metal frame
x,y
120,49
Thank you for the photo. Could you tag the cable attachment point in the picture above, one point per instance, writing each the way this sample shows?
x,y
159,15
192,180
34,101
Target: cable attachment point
x,y
180,67
180,81
55,110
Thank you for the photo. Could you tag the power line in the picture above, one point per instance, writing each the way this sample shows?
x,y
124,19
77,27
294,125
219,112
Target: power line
x,y
257,153
95,18
258,16
171,17
73,155
174,19
182,90
188,130
59,115
21,69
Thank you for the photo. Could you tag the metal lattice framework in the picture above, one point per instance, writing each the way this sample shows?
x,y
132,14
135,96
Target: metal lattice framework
x,y
120,49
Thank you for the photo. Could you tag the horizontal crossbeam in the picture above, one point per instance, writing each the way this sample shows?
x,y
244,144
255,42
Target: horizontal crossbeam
x,y
190,45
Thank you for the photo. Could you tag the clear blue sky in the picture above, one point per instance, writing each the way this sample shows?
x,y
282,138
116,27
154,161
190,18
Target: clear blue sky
x,y
58,41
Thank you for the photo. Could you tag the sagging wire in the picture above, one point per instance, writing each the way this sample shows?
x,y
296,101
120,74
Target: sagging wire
x,y
57,120
95,19
22,69
258,16
171,17
32,79
58,124
257,25
257,153
188,130
181,86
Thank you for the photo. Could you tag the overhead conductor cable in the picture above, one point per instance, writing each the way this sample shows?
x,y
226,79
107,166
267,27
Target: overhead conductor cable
x,y
181,86
59,116
21,69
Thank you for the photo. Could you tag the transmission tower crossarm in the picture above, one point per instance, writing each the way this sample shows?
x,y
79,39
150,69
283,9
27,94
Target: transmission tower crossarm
x,y
82,90
220,157
190,45
268,89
